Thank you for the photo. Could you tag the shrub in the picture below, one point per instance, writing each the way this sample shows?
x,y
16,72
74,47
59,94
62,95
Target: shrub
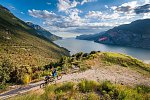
x,y
6,68
83,67
143,89
93,96
93,52
85,55
36,75
107,86
122,95
60,96
87,86
106,97
45,73
65,87
2,86
79,55
59,68
26,79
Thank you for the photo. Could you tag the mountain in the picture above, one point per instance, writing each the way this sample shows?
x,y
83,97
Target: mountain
x,y
135,34
41,31
90,37
23,45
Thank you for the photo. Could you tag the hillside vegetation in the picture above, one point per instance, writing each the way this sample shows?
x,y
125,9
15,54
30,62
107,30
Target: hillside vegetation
x,y
22,45
99,59
95,66
23,51
88,90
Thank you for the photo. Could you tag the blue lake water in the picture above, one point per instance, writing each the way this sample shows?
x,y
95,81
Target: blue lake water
x,y
75,46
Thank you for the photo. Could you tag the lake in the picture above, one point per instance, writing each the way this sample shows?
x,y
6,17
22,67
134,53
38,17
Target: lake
x,y
75,46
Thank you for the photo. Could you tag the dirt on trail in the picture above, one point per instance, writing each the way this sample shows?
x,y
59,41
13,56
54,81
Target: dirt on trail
x,y
115,74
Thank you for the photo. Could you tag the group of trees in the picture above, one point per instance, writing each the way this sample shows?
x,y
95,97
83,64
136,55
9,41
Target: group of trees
x,y
11,74
16,75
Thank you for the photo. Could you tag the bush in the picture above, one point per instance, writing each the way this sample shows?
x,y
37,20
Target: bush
x,y
106,97
83,67
85,55
2,86
143,89
93,52
87,86
26,79
36,75
45,73
6,68
93,96
79,55
107,86
65,87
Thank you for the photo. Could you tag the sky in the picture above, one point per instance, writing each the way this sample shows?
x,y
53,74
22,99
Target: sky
x,y
69,18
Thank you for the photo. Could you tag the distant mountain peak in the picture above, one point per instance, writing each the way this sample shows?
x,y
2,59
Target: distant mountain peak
x,y
43,32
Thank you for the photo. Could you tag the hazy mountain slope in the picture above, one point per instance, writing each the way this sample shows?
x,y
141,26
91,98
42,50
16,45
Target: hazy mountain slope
x,y
135,34
22,45
44,32
91,37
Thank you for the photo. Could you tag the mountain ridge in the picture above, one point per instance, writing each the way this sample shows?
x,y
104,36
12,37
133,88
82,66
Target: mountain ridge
x,y
43,32
23,45
135,34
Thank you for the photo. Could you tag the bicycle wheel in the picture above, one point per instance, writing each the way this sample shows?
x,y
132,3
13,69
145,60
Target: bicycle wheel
x,y
59,77
51,79
42,85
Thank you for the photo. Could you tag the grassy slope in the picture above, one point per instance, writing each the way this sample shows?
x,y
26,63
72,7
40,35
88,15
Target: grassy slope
x,y
22,45
100,59
88,90
91,90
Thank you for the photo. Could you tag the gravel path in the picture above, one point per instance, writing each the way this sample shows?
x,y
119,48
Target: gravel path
x,y
115,74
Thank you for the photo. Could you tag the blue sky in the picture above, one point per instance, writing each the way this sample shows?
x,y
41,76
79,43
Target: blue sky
x,y
69,18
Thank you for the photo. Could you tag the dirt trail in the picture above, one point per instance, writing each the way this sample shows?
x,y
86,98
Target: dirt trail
x,y
115,74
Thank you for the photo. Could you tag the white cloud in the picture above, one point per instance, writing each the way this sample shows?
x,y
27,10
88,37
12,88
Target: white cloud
x,y
86,1
92,22
12,7
22,12
146,15
132,4
48,3
65,5
43,14
147,1
106,6
99,15
113,7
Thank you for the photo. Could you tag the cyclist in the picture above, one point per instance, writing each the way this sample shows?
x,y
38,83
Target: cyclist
x,y
54,72
47,78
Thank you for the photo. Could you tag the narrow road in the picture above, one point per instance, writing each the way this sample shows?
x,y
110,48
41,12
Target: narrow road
x,y
114,74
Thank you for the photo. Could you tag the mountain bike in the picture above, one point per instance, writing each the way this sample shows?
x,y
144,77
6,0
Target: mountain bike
x,y
51,80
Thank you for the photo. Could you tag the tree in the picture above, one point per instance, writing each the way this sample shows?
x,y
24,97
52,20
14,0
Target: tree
x,y
5,69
